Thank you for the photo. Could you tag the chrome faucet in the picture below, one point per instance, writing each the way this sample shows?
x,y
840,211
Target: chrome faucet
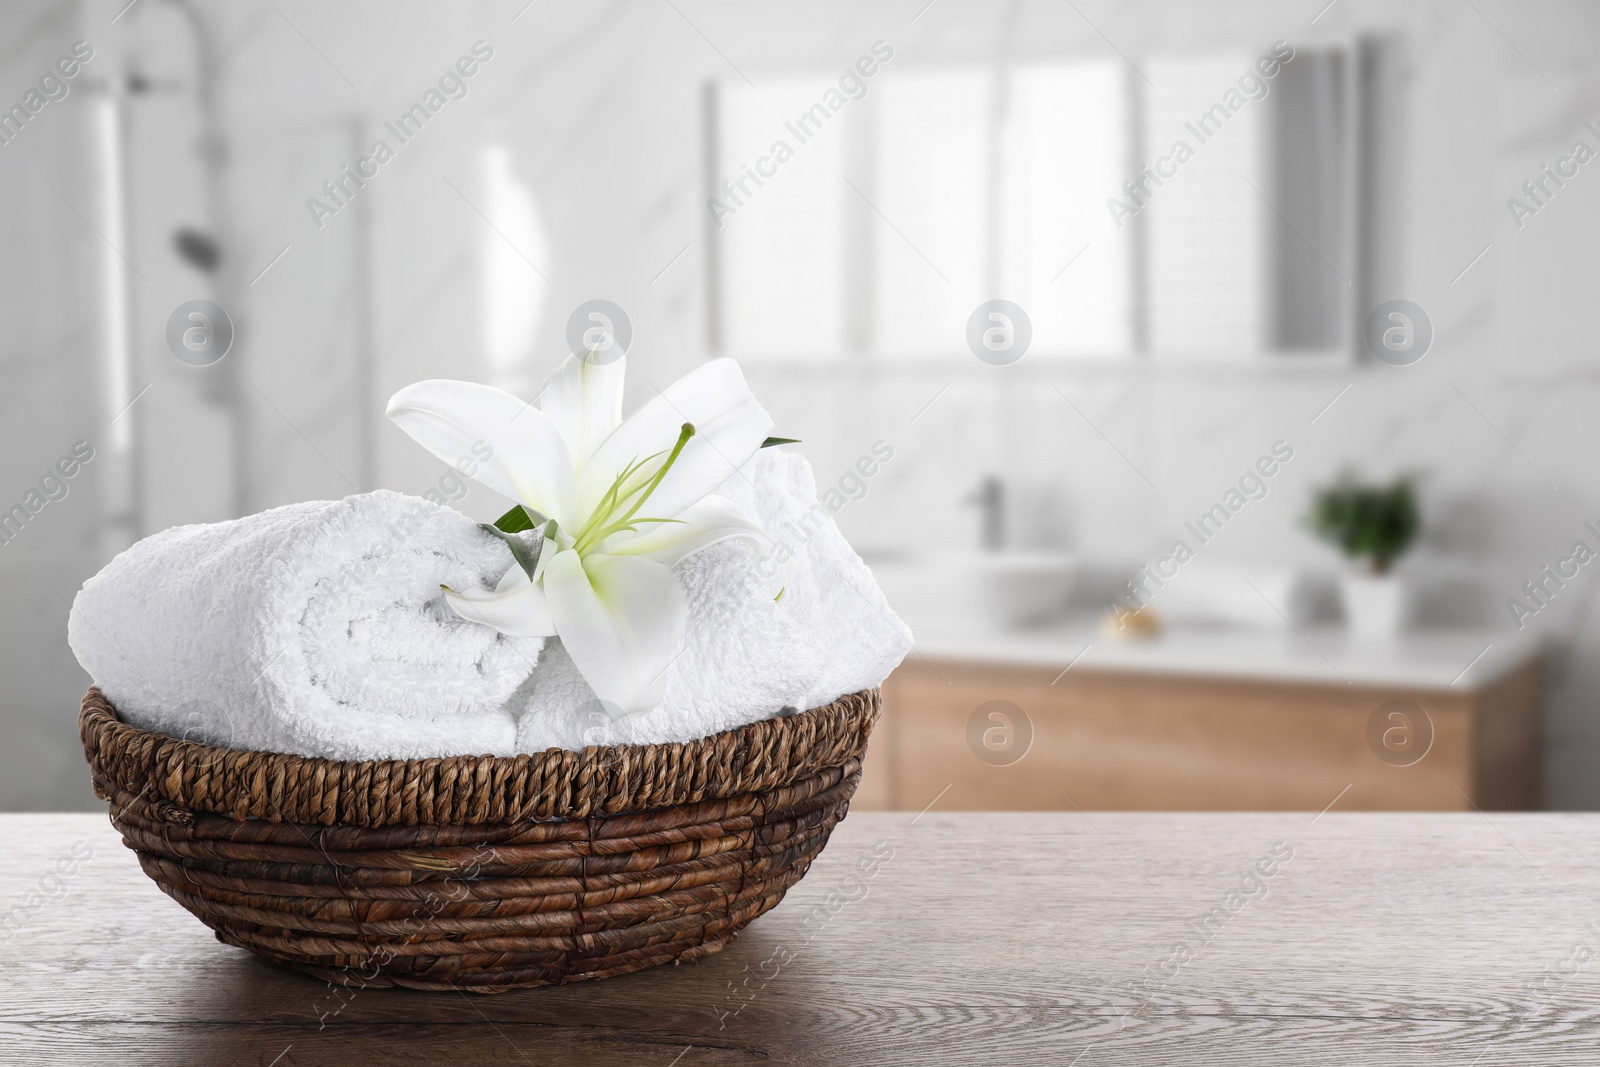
x,y
990,498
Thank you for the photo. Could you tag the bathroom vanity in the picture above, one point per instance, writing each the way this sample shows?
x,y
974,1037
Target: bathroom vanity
x,y
1210,720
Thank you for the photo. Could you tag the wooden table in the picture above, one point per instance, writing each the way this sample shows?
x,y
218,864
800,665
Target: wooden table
x,y
977,939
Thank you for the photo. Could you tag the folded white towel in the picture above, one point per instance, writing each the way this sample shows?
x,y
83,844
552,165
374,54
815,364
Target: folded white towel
x,y
317,629
744,657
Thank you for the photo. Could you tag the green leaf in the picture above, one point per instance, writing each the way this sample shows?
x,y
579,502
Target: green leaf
x,y
769,442
518,519
525,545
1375,522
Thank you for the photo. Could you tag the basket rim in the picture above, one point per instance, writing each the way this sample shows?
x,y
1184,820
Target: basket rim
x,y
554,785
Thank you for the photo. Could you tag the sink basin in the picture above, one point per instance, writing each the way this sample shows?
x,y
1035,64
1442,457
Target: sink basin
x,y
1008,589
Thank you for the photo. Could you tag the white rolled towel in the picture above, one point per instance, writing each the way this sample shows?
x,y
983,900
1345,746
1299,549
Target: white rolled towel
x,y
317,629
744,656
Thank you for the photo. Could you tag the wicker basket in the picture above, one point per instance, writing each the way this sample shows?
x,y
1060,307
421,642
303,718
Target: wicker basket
x,y
479,872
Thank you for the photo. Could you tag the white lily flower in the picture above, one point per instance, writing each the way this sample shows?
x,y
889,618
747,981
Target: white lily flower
x,y
619,502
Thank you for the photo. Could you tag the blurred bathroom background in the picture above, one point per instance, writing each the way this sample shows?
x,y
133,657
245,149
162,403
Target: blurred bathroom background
x,y
1006,475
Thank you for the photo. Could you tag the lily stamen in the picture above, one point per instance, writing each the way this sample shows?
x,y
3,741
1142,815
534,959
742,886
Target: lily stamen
x,y
592,538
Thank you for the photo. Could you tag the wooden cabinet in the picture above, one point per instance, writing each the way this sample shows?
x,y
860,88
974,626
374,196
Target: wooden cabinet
x,y
1108,740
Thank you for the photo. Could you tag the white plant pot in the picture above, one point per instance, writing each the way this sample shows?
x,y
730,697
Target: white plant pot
x,y
1376,606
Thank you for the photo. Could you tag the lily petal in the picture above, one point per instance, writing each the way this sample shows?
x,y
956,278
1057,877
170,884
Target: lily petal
x,y
583,399
517,606
707,523
621,619
528,460
729,423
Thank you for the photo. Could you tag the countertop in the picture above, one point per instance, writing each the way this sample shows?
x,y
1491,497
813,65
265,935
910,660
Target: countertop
x,y
1422,659
1131,939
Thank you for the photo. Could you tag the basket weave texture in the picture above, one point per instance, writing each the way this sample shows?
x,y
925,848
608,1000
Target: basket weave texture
x,y
481,872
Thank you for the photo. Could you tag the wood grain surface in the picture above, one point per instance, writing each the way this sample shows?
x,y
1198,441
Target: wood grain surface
x,y
1120,741
969,938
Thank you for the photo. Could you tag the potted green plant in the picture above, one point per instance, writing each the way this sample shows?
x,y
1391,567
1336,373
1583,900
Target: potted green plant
x,y
1373,524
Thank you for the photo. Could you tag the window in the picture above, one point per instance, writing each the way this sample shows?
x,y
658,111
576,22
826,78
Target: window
x,y
873,228
1204,230
930,202
782,253
1064,143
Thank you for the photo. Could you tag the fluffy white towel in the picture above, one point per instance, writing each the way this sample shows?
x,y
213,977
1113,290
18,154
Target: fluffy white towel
x,y
745,657
317,629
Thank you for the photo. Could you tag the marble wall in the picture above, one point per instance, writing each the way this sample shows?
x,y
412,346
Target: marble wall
x,y
596,108
52,397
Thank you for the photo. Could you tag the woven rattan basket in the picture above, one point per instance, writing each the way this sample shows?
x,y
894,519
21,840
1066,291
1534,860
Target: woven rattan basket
x,y
480,872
